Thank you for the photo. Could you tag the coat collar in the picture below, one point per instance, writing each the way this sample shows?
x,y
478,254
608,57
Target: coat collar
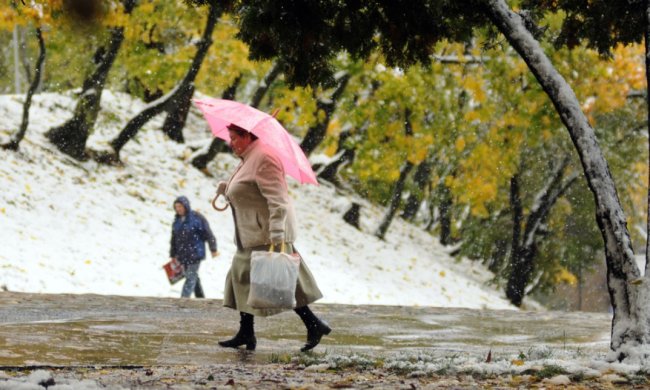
x,y
252,146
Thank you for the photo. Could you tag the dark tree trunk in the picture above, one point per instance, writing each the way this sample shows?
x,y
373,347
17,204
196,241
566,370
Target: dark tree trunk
x,y
445,214
15,141
263,88
345,155
516,281
647,98
498,256
71,137
175,96
524,245
316,134
230,92
422,179
217,145
631,322
395,200
177,111
352,215
398,188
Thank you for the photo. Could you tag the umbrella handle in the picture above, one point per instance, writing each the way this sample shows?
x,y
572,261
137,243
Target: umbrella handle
x,y
214,204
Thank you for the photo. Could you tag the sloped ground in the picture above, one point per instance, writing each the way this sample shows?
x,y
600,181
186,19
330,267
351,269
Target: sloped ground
x,y
93,341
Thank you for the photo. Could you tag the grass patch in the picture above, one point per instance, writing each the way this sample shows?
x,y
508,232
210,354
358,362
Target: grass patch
x,y
551,370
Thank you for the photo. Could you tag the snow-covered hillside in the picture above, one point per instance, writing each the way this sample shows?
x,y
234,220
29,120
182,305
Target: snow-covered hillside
x,y
79,227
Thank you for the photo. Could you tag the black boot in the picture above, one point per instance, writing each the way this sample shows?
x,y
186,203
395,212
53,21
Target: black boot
x,y
246,334
316,328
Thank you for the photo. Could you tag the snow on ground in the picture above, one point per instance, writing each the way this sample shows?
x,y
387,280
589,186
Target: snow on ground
x,y
79,227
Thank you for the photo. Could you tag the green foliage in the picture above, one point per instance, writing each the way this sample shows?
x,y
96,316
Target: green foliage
x,y
602,23
309,34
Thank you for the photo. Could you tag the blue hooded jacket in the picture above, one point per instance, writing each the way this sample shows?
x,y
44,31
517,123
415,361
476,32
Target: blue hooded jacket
x,y
189,234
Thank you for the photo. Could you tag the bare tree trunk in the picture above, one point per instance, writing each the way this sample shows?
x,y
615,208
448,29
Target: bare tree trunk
x,y
217,145
71,137
524,246
398,188
345,155
647,97
352,215
175,96
422,179
316,133
15,141
177,115
263,88
630,325
444,210
395,200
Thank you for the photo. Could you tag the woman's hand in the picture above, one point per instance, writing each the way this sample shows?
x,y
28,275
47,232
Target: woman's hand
x,y
221,188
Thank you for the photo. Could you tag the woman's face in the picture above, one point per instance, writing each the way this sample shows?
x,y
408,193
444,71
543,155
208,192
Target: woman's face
x,y
239,143
180,209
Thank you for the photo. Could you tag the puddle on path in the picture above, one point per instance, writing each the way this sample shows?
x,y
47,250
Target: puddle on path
x,y
93,330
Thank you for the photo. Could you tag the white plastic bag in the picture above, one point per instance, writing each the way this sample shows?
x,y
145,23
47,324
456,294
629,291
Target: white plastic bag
x,y
273,280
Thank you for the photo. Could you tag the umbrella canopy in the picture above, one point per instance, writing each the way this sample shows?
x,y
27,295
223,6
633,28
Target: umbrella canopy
x,y
221,112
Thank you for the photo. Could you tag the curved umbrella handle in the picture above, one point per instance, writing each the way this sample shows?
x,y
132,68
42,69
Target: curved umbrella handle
x,y
214,204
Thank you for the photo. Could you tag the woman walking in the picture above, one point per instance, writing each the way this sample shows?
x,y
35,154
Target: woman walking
x,y
263,216
190,232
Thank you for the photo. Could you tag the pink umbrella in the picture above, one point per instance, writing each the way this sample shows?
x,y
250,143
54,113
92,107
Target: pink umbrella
x,y
221,112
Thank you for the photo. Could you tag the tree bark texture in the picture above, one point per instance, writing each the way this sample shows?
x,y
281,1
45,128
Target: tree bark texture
x,y
269,78
398,188
630,321
71,137
316,133
180,95
177,115
217,145
15,141
422,179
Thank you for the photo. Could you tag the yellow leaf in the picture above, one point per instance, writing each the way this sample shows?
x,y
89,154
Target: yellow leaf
x,y
518,362
565,276
28,189
442,274
460,144
87,262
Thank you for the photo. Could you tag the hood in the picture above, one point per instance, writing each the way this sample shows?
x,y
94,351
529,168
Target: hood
x,y
185,202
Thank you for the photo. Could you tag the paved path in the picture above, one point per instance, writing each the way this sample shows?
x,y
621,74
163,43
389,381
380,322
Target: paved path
x,y
136,342
63,330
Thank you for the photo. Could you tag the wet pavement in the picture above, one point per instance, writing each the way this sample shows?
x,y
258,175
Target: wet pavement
x,y
39,330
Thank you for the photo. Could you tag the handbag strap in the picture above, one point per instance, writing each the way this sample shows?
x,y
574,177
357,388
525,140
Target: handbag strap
x,y
282,246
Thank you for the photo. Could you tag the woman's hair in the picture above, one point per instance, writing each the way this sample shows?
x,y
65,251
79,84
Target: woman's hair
x,y
240,131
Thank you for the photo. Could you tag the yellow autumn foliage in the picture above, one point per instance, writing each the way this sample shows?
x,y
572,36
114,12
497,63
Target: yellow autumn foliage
x,y
565,276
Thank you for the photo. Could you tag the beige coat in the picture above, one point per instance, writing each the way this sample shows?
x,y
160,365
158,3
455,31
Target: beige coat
x,y
257,193
263,214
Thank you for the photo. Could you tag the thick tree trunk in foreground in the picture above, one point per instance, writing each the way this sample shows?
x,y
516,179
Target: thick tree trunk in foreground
x,y
15,141
176,95
628,294
647,98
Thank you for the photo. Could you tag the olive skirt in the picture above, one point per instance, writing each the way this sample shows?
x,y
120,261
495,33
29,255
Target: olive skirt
x,y
235,294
